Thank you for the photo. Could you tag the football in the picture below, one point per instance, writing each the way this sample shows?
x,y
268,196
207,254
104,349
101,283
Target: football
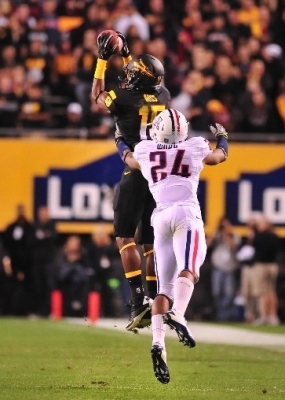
x,y
116,40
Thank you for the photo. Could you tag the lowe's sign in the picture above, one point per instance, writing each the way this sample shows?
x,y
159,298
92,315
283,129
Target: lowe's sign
x,y
256,194
82,194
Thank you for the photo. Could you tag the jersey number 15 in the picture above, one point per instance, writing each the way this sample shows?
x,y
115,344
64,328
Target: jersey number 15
x,y
147,114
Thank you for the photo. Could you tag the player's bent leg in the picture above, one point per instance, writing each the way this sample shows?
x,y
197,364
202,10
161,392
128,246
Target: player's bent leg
x,y
150,278
140,304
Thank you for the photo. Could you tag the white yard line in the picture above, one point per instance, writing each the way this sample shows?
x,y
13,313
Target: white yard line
x,y
203,333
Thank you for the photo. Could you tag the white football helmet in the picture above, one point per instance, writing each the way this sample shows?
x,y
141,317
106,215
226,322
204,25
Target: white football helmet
x,y
170,126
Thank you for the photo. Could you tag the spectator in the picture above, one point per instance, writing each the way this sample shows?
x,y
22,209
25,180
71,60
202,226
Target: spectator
x,y
9,105
63,69
74,119
34,111
128,15
44,244
227,86
242,59
182,101
137,46
223,245
272,55
214,7
8,58
6,283
110,281
84,70
202,57
96,19
71,8
245,256
19,26
248,14
161,23
38,61
237,31
267,247
20,83
17,245
50,22
261,116
217,32
197,112
72,273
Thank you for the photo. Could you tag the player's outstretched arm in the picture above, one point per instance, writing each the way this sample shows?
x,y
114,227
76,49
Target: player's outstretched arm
x,y
105,51
131,161
220,153
126,153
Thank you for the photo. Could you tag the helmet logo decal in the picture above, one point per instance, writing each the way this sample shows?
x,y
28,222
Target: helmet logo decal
x,y
140,66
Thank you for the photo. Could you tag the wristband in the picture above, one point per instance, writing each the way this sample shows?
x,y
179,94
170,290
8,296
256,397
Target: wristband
x,y
125,155
122,146
222,144
127,59
100,69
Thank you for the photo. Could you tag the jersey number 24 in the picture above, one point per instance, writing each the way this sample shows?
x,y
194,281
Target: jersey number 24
x,y
178,168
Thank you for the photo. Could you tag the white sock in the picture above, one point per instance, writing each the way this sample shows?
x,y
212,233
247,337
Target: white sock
x,y
158,330
183,289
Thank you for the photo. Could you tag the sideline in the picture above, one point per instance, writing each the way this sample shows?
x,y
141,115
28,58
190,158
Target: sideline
x,y
203,333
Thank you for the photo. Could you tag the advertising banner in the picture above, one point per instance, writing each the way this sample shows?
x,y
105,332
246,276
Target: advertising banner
x,y
76,180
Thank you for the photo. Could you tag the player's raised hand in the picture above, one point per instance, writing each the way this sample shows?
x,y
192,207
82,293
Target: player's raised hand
x,y
106,45
218,130
125,52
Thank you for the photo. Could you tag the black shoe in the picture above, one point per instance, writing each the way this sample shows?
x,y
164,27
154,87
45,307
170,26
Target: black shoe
x,y
140,316
178,323
160,368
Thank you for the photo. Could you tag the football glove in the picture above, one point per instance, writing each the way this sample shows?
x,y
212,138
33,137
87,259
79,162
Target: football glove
x,y
218,130
105,48
125,52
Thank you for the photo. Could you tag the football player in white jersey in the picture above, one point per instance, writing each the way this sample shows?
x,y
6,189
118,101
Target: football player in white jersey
x,y
172,164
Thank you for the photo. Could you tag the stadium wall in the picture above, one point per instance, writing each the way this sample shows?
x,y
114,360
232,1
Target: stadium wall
x,y
76,179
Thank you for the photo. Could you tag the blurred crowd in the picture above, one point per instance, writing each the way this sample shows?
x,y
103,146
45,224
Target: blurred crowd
x,y
35,260
242,279
243,276
224,61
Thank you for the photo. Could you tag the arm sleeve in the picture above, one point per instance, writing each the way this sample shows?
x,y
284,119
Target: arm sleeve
x,y
203,145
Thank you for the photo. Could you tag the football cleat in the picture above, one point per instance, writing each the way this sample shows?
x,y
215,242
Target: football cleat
x,y
140,316
160,368
178,323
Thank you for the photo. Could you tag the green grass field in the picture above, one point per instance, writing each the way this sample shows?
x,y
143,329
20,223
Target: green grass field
x,y
46,359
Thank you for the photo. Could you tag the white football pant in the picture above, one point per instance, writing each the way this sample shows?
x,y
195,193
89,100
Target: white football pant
x,y
179,244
